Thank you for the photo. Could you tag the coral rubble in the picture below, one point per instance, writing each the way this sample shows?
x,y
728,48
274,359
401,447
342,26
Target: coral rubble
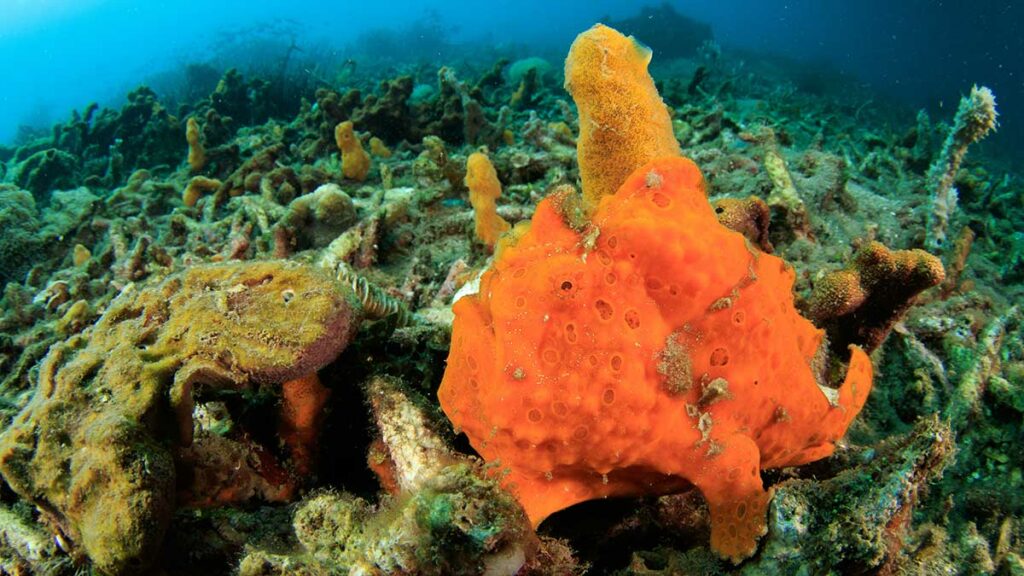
x,y
446,516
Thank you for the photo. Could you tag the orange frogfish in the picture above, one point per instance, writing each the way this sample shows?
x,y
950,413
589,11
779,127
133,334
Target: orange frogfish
x,y
641,351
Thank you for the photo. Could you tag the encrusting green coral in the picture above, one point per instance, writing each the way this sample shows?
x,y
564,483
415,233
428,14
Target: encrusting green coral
x,y
96,448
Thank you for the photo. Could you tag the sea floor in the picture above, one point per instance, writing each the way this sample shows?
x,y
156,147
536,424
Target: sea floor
x,y
117,240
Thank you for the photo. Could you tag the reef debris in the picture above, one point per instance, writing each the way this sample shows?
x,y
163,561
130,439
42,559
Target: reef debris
x,y
446,516
860,518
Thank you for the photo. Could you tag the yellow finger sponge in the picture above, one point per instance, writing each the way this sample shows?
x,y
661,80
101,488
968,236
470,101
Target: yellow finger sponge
x,y
624,124
484,190
355,162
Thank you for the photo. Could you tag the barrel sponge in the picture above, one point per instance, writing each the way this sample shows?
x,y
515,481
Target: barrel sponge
x,y
624,124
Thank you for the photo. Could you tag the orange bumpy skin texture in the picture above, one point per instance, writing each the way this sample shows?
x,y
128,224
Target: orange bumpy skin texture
x,y
623,122
484,190
663,353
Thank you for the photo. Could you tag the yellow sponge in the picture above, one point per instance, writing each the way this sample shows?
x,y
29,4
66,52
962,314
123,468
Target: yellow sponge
x,y
623,122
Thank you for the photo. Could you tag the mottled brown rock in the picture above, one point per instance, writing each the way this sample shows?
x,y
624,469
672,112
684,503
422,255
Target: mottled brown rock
x,y
95,450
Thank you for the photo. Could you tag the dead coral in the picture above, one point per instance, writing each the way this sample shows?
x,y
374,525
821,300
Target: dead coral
x,y
975,119
859,518
387,115
984,363
958,263
448,517
247,177
196,187
143,133
456,115
784,195
45,171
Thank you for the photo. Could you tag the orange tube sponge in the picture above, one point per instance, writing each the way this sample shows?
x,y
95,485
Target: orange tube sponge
x,y
623,122
196,152
484,189
355,162
653,350
301,417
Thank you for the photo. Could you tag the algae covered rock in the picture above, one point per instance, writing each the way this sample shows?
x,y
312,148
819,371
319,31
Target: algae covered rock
x,y
316,218
47,170
858,519
97,448
457,523
19,239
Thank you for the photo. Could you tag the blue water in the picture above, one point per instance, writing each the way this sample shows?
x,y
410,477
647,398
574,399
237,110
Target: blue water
x,y
62,54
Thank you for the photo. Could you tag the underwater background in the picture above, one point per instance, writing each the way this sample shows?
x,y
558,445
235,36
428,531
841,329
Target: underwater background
x,y
416,288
